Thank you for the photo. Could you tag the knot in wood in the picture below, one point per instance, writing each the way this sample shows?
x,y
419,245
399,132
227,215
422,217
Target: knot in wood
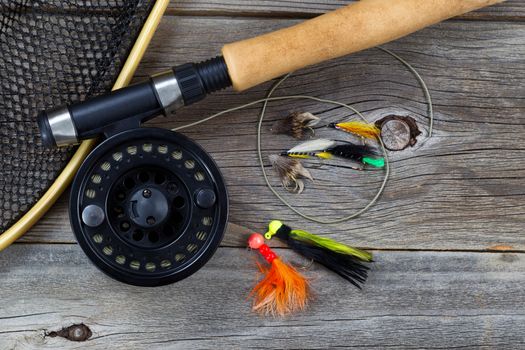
x,y
398,132
76,332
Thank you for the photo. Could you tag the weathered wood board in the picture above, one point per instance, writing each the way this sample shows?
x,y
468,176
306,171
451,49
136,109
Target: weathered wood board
x,y
412,300
462,189
509,10
451,204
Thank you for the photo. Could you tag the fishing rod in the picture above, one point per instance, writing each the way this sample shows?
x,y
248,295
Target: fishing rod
x,y
248,63
149,206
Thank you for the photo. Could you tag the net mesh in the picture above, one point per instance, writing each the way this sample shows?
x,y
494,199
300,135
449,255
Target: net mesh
x,y
52,53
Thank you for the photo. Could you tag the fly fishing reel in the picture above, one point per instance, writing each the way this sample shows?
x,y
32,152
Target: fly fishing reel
x,y
148,206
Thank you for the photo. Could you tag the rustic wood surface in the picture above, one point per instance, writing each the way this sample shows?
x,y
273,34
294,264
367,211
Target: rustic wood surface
x,y
447,233
510,10
412,300
462,189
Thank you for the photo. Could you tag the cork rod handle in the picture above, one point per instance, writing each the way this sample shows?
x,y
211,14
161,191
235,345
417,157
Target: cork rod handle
x,y
356,27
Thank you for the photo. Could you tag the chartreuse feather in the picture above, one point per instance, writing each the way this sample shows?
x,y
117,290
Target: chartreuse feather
x,y
332,245
326,243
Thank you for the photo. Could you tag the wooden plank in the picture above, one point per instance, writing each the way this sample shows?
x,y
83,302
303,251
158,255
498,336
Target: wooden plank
x,y
460,190
509,10
412,300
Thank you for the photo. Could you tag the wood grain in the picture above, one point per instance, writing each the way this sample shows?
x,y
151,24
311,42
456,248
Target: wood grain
x,y
509,10
412,300
462,189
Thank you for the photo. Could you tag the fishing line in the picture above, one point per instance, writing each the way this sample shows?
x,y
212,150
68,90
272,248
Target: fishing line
x,y
269,98
424,87
282,199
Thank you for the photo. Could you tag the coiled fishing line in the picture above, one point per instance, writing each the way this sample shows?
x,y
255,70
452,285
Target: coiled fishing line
x,y
269,98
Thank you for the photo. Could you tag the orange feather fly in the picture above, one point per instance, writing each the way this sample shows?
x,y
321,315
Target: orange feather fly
x,y
283,290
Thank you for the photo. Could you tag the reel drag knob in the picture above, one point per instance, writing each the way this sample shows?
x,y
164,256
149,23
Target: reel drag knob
x,y
148,207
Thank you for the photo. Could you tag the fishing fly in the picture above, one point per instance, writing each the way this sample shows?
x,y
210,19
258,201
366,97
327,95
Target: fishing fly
x,y
291,173
283,290
359,128
297,124
327,149
347,262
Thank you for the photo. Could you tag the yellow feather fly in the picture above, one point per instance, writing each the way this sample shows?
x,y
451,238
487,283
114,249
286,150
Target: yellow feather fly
x,y
366,130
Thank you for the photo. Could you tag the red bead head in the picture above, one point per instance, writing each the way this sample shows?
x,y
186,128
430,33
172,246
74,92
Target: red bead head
x,y
255,241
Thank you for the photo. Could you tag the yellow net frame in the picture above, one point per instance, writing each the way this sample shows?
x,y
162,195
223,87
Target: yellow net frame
x,y
66,176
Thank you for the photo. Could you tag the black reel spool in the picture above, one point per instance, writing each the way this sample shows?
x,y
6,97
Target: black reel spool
x,y
149,206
